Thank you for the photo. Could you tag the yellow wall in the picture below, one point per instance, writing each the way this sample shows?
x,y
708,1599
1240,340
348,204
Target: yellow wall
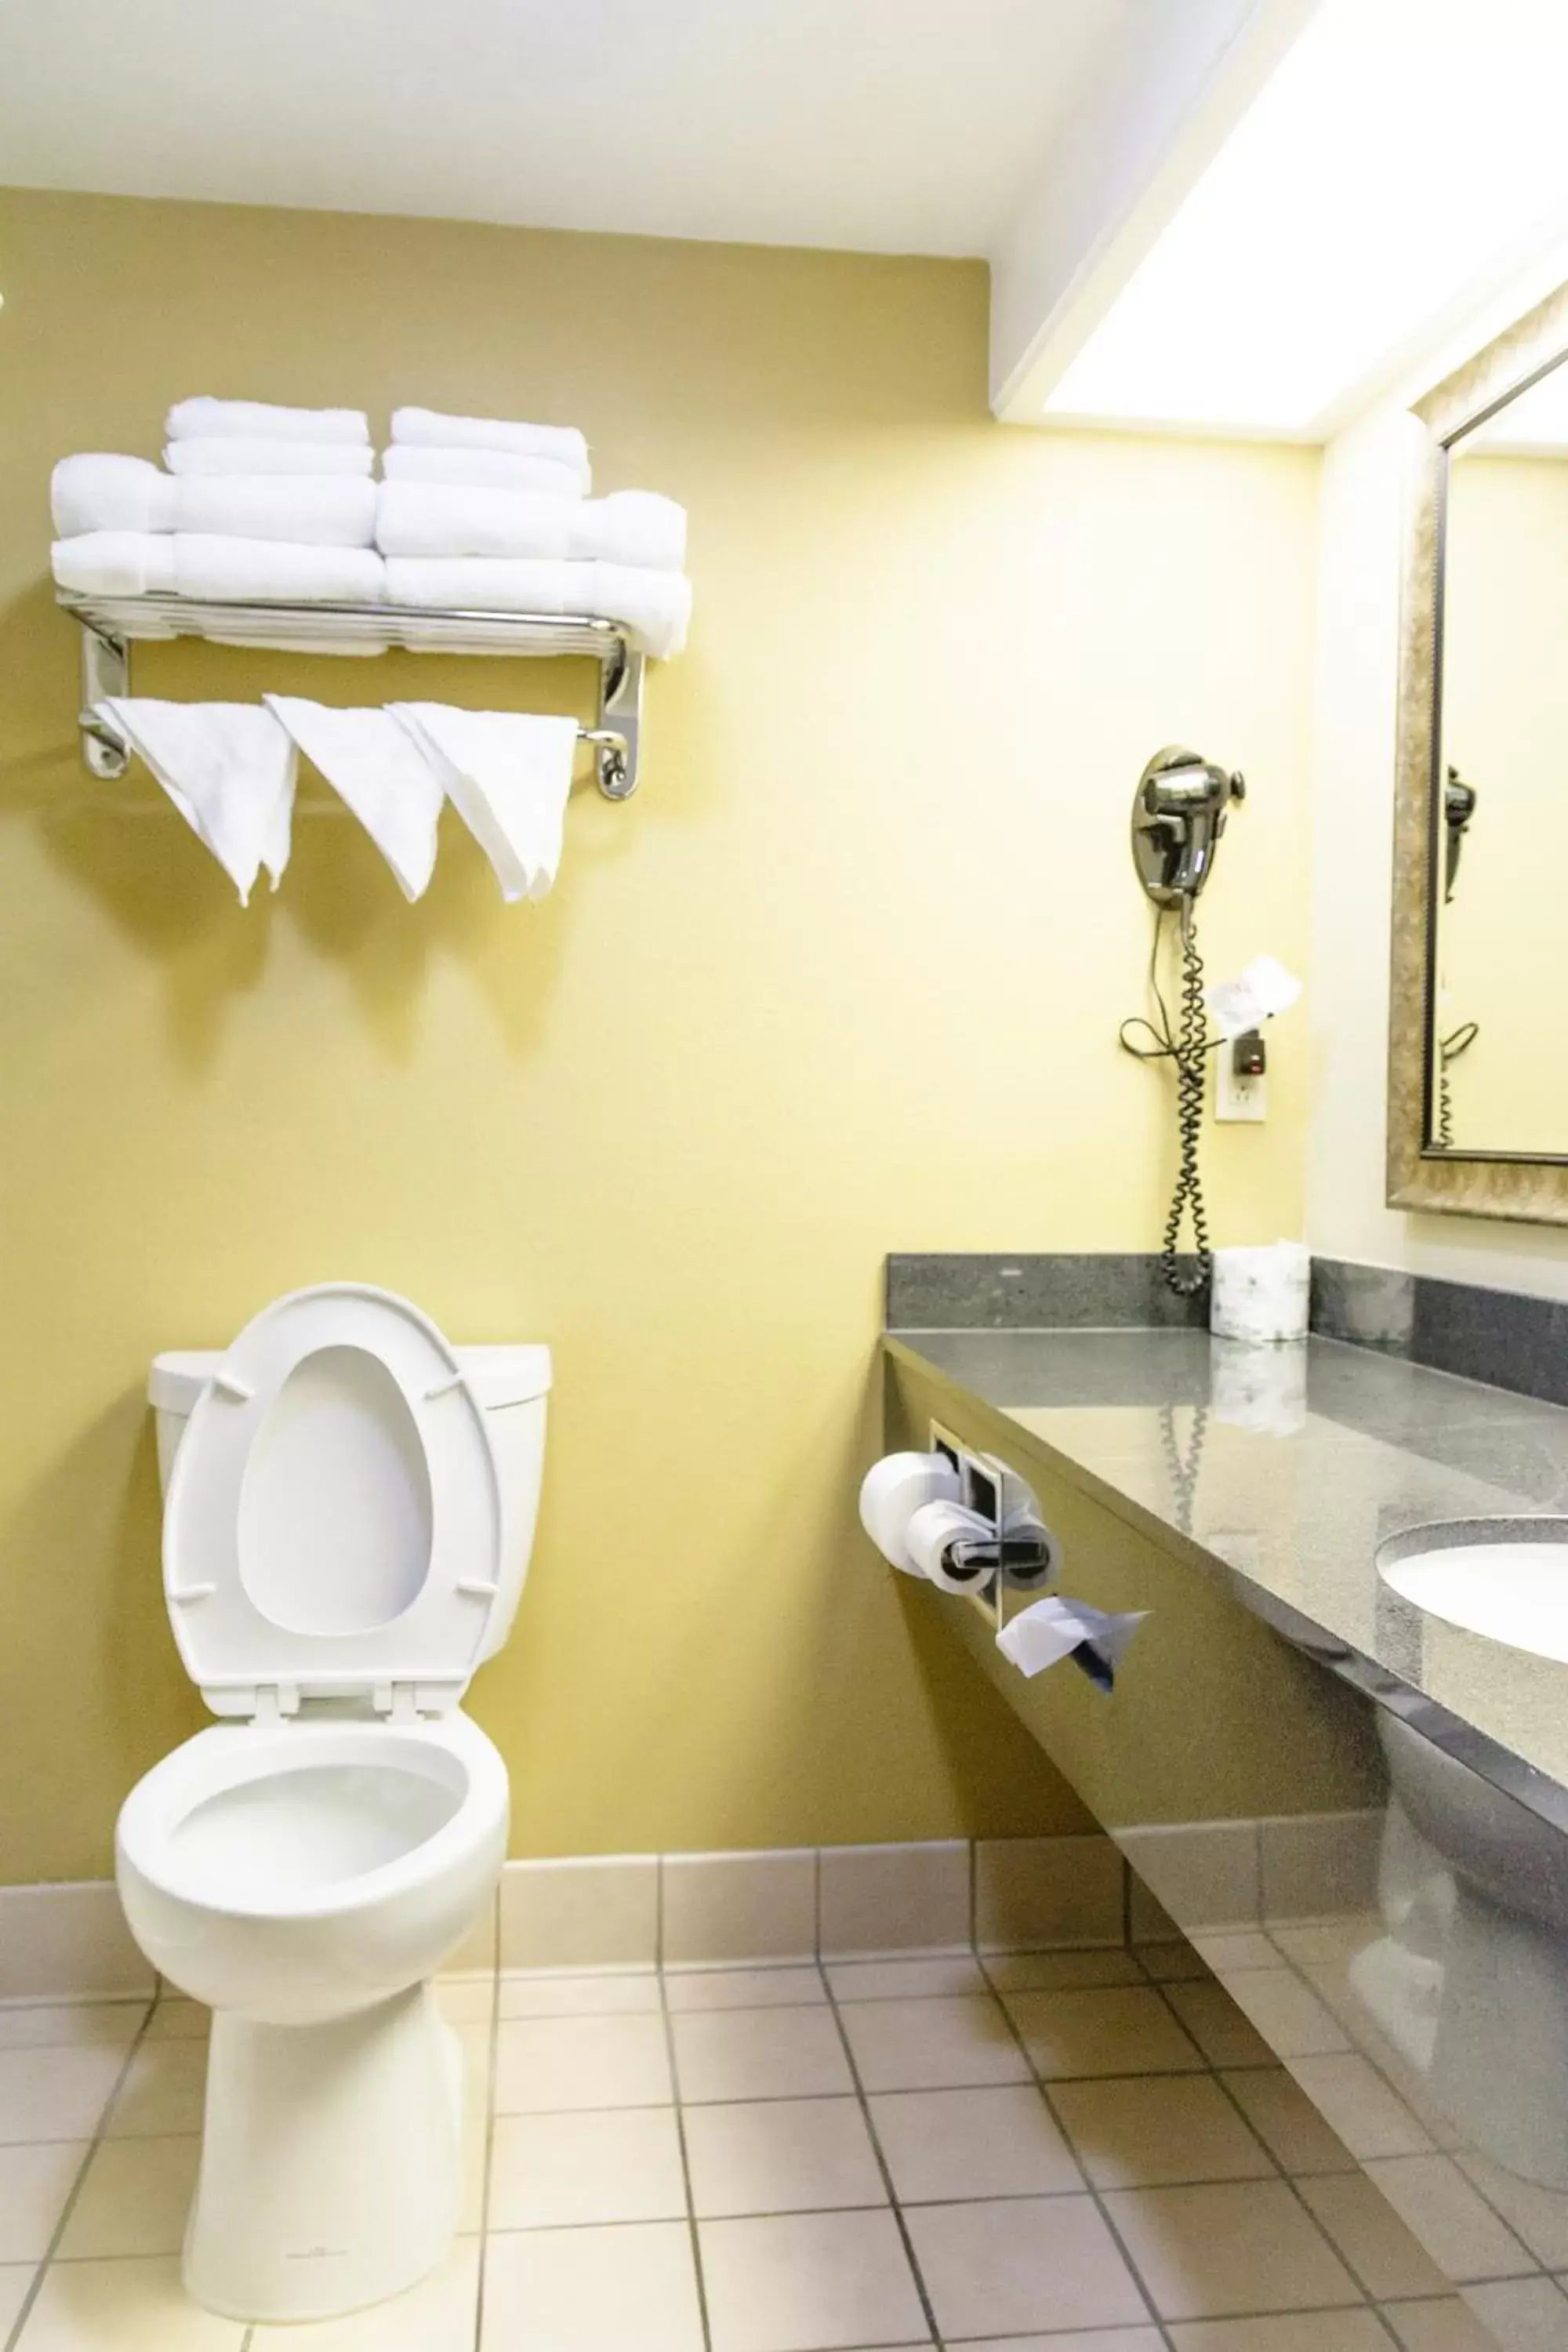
x,y
844,977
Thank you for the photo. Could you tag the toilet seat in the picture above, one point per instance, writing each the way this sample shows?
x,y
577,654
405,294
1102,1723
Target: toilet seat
x,y
279,1591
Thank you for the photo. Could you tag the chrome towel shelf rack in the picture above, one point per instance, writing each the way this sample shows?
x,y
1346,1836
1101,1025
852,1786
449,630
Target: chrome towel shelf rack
x,y
111,625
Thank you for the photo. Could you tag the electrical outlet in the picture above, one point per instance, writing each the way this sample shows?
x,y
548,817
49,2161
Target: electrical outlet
x,y
1237,1096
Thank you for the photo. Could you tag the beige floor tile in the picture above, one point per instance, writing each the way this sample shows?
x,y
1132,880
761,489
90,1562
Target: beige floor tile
x,y
178,2020
1439,2326
781,2156
1060,1971
759,2053
1287,2121
1146,2130
1386,2257
1225,2035
544,2063
1317,2331
135,2305
788,1988
15,2278
1355,2101
1178,1963
437,2316
1539,2216
1022,2264
135,2199
549,2171
1523,2315
34,2185
1118,2030
607,1994
911,1979
474,2044
808,2282
927,2045
32,2024
1286,2012
940,2145
1455,2225
164,2091
56,2092
1212,2253
592,2290
1097,2339
1242,1947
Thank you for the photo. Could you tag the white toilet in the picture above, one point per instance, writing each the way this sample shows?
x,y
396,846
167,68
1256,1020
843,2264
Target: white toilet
x,y
349,1509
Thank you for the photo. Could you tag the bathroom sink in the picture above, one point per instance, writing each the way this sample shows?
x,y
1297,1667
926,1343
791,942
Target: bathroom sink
x,y
1507,1579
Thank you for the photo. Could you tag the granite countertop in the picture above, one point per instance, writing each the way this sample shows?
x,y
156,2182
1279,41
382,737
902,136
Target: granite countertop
x,y
1287,1467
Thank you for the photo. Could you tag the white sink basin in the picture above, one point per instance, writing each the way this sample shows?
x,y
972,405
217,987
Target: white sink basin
x,y
1507,1579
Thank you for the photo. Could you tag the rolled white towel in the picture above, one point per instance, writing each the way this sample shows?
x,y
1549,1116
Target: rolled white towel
x,y
93,492
275,571
203,417
444,518
430,429
496,470
243,454
225,571
655,606
115,564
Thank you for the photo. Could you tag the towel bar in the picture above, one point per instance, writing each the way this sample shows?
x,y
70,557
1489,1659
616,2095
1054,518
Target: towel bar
x,y
110,624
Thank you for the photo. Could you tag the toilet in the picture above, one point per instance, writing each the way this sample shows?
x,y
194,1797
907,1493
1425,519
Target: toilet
x,y
349,1511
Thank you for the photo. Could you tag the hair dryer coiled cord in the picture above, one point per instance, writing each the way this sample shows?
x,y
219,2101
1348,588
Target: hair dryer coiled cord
x,y
1191,1057
1188,1046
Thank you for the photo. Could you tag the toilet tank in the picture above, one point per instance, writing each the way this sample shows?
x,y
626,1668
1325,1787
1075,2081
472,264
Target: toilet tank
x,y
511,1384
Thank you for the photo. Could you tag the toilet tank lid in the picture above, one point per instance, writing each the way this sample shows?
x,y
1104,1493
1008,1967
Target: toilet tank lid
x,y
498,1375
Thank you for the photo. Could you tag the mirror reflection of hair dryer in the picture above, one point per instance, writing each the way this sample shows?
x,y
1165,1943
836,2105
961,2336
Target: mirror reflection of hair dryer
x,y
1458,808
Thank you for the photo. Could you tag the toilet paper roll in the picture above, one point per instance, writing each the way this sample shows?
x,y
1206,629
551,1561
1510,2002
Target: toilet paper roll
x,y
935,1534
1262,1295
893,1490
1026,1573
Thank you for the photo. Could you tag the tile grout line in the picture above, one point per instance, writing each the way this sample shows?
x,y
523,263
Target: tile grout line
x,y
491,2063
1282,2171
1038,2080
14,2339
693,2235
895,2207
1436,2147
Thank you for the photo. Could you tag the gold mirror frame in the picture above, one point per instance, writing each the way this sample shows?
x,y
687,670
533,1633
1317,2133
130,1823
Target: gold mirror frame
x,y
1462,1183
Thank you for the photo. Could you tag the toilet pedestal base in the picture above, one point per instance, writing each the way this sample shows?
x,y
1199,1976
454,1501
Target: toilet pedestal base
x,y
331,2165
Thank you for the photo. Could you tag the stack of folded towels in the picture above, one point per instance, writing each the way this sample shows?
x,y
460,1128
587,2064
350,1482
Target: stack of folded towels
x,y
258,505
261,504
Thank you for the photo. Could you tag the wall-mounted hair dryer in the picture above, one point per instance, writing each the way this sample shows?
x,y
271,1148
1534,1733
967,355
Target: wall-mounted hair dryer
x,y
1179,812
1178,815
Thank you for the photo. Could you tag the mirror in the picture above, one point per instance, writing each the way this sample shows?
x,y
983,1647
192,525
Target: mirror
x,y
1479,1067
1497,1048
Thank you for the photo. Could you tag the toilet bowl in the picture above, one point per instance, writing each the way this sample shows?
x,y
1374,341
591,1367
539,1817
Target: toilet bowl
x,y
349,1512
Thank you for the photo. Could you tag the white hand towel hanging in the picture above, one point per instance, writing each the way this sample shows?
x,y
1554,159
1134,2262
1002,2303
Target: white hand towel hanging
x,y
378,770
228,767
507,775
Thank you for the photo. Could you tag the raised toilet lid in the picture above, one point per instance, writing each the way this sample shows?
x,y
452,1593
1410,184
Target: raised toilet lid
x,y
333,1526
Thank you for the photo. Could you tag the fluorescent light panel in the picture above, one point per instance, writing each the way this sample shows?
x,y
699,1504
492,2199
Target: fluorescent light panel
x,y
1402,155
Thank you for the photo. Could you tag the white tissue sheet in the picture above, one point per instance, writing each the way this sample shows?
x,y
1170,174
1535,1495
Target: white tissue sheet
x,y
1051,1630
1264,989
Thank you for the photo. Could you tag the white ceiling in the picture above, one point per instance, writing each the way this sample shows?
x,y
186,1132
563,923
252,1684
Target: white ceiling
x,y
912,126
